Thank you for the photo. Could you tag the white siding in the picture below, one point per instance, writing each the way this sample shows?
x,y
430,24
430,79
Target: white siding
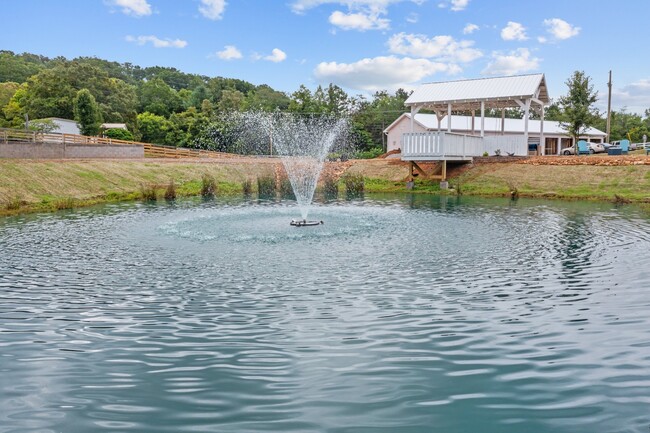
x,y
396,133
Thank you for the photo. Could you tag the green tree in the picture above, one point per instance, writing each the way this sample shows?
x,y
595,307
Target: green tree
x,y
14,110
374,116
264,98
86,113
119,134
577,105
158,98
625,125
19,67
153,128
303,101
199,94
231,100
7,91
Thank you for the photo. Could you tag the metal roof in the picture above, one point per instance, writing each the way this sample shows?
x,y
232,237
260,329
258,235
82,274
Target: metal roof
x,y
499,92
492,124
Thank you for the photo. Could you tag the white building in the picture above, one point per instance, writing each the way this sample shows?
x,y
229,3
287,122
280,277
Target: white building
x,y
445,136
555,137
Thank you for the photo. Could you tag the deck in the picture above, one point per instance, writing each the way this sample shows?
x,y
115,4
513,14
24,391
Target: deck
x,y
447,146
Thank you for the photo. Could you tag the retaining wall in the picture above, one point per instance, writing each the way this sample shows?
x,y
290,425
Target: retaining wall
x,y
63,151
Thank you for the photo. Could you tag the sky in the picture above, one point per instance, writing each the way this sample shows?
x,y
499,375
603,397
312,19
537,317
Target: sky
x,y
362,46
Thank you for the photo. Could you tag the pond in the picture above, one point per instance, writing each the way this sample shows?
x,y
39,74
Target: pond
x,y
398,314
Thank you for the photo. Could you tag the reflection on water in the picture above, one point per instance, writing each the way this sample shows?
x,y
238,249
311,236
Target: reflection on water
x,y
399,314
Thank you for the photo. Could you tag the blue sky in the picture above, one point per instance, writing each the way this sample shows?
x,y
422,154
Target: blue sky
x,y
360,45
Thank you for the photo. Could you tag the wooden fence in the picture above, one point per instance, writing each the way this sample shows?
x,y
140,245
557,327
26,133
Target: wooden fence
x,y
8,135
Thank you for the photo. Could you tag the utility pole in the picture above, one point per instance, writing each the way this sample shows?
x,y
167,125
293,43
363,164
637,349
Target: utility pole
x,y
609,105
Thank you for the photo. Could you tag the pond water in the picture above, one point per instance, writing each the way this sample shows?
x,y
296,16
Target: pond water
x,y
399,314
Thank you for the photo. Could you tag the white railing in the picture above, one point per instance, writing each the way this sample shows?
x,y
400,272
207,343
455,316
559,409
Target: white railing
x,y
506,144
446,144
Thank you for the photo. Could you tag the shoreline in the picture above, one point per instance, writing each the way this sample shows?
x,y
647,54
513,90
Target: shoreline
x,y
31,186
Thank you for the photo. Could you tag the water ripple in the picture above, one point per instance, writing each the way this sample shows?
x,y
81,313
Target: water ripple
x,y
398,314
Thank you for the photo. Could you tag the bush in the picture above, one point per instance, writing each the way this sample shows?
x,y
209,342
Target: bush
x,y
148,192
14,203
266,186
369,154
247,187
330,186
65,203
354,183
286,190
170,192
119,134
208,186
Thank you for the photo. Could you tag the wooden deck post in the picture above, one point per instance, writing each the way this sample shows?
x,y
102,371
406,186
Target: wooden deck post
x,y
444,170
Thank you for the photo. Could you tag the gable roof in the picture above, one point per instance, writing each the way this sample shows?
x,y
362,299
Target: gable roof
x,y
499,92
492,124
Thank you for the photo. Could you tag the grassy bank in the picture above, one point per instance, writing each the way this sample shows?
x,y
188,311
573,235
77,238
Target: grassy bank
x,y
34,186
620,183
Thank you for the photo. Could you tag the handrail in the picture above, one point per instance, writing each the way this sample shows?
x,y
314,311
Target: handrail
x,y
8,135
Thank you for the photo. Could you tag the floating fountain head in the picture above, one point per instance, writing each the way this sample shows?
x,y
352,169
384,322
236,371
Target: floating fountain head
x,y
302,142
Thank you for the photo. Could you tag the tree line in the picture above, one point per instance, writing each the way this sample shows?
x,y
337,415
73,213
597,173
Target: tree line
x,y
166,106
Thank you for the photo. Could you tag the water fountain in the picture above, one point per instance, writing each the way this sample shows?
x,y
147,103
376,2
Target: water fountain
x,y
302,142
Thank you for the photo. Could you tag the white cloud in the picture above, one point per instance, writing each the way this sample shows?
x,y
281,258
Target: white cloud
x,y
412,18
301,6
229,52
276,56
560,29
444,48
358,21
541,39
513,32
137,8
512,63
469,29
380,73
454,5
459,5
212,9
157,42
360,15
635,96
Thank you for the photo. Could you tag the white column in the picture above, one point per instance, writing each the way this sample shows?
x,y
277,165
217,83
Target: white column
x,y
449,117
473,115
503,121
542,139
526,115
412,116
482,118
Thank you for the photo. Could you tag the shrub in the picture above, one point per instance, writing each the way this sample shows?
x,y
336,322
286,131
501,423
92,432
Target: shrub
x,y
65,203
170,192
247,187
354,183
208,186
266,186
286,190
14,203
148,192
486,154
369,154
119,134
330,186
